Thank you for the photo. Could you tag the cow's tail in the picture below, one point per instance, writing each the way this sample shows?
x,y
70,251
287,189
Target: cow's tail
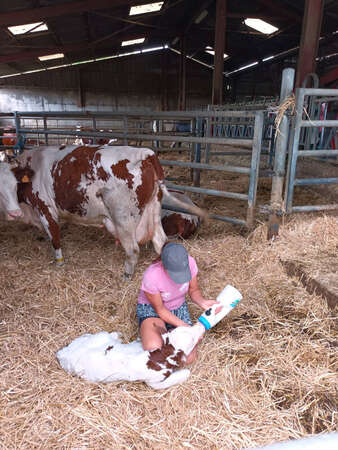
x,y
193,209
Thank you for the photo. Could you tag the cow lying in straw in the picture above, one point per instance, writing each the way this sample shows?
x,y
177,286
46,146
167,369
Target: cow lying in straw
x,y
102,357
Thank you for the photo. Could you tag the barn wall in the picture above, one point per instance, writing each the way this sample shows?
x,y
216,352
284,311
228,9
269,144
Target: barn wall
x,y
148,81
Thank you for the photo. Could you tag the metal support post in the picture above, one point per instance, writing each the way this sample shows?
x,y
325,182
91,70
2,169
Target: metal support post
x,y
94,129
293,149
280,157
18,148
197,152
125,130
208,134
256,152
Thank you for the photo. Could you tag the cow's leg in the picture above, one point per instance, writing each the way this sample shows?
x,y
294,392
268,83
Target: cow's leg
x,y
123,225
178,377
53,230
128,241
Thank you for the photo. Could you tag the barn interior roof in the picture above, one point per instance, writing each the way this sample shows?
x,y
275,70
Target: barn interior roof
x,y
86,30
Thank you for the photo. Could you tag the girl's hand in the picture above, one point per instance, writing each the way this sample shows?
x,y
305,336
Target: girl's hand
x,y
205,304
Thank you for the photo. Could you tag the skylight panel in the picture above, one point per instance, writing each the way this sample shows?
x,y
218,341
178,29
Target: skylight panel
x,y
144,9
212,52
28,28
132,42
260,25
54,56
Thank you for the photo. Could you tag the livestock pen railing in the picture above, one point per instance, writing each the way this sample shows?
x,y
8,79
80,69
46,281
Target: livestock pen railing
x,y
243,127
138,126
298,149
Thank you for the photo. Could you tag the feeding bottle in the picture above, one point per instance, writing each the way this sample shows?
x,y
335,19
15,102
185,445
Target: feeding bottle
x,y
227,300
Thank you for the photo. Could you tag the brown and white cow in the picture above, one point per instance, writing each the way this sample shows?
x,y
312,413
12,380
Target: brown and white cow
x,y
116,187
177,224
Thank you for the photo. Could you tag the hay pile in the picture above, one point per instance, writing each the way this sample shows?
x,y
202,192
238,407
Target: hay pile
x,y
265,373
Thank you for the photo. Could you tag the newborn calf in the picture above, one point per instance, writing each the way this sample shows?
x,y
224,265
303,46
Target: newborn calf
x,y
102,357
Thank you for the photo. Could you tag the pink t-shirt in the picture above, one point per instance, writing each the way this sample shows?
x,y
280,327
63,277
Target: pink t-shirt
x,y
157,281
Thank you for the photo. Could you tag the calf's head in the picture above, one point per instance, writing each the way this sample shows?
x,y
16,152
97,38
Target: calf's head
x,y
185,338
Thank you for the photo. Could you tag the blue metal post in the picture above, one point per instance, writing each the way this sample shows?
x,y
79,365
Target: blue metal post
x,y
197,156
293,148
254,170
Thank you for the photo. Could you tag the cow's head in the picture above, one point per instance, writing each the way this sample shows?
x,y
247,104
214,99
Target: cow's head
x,y
8,192
10,174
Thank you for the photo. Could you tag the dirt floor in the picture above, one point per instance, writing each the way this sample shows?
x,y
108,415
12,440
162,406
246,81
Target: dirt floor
x,y
266,373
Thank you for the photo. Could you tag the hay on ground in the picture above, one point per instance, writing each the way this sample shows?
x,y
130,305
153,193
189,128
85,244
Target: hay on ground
x,y
266,373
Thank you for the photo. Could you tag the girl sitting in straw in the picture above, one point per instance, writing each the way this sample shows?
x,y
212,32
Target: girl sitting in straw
x,y
161,301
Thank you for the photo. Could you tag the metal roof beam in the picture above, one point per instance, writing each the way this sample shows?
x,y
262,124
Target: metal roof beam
x,y
24,16
281,9
32,54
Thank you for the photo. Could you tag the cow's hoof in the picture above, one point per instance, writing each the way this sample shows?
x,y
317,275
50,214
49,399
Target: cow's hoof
x,y
126,276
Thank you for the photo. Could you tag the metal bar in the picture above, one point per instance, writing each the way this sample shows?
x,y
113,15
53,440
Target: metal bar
x,y
308,208
208,134
315,153
212,216
19,137
307,181
230,153
326,99
293,149
319,123
199,190
138,113
225,168
95,129
256,151
146,137
45,128
228,219
318,91
197,153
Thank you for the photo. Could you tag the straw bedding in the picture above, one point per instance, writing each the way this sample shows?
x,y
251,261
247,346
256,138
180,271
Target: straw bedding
x,y
266,373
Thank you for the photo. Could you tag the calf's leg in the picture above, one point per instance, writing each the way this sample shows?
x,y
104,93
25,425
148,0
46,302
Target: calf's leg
x,y
178,377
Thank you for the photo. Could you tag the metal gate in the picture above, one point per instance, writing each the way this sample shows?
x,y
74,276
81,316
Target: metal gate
x,y
306,140
138,125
